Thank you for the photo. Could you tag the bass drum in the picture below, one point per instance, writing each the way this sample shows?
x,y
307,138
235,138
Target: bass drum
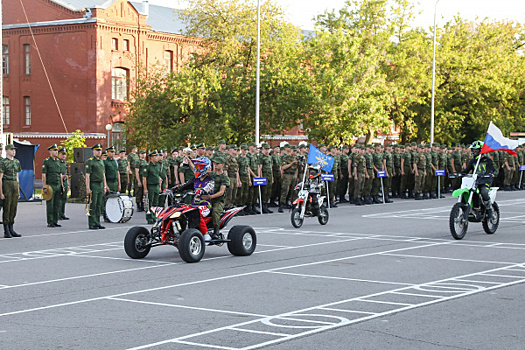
x,y
118,208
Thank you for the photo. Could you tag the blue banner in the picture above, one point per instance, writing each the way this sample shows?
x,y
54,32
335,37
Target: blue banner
x,y
440,172
259,181
327,177
316,157
381,173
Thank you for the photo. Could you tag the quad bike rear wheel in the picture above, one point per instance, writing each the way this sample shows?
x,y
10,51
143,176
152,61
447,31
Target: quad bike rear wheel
x,y
243,240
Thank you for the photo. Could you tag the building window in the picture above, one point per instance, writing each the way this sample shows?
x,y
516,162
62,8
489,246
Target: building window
x,y
119,84
125,45
27,59
168,61
5,59
114,44
5,110
27,109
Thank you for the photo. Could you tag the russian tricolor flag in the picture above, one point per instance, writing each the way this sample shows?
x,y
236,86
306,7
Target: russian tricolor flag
x,y
495,141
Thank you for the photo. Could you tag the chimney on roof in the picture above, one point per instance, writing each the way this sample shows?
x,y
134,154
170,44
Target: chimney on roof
x,y
145,7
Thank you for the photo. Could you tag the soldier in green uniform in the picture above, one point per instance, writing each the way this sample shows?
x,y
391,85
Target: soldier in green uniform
x,y
139,189
388,160
288,173
276,174
443,164
52,176
367,187
419,169
350,171
255,171
62,155
123,170
405,169
360,174
267,172
244,175
151,179
332,185
221,150
96,186
133,160
164,175
221,183
1,160
111,170
174,163
9,169
342,184
231,169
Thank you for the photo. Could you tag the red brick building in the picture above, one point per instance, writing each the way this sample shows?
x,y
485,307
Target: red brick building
x,y
87,53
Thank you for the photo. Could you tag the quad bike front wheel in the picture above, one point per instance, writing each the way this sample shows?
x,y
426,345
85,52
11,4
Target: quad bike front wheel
x,y
136,242
191,245
457,222
490,226
242,240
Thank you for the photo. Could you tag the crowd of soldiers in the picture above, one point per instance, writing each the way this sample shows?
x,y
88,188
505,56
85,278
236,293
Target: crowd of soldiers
x,y
410,172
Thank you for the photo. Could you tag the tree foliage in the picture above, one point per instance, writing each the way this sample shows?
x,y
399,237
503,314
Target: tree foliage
x,y
76,139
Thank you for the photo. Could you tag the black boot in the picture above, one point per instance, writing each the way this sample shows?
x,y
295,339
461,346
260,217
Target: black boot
x,y
255,210
268,209
216,233
488,209
368,200
433,194
280,210
388,200
418,196
248,210
7,232
358,201
12,230
377,200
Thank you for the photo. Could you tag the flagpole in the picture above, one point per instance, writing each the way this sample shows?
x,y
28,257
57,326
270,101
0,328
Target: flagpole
x,y
258,77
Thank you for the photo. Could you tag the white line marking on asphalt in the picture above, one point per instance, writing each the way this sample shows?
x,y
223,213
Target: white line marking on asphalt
x,y
203,345
384,302
350,311
341,278
451,259
259,332
416,295
186,307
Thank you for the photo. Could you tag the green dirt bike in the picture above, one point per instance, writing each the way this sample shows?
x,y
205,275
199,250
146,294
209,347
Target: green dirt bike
x,y
470,208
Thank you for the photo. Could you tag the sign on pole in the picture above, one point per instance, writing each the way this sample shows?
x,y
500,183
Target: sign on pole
x,y
260,181
439,173
327,177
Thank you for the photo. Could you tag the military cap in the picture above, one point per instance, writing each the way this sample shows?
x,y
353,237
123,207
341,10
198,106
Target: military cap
x,y
235,147
427,146
321,145
252,144
442,146
153,153
294,147
163,150
287,145
219,160
200,145
243,146
458,144
345,147
123,150
104,153
435,144
221,142
265,145
142,151
132,147
110,149
97,147
181,148
53,147
302,146
209,148
276,146
60,150
174,149
10,146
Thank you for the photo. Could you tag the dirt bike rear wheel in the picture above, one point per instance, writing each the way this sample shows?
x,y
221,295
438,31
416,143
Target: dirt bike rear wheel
x,y
490,226
295,218
135,242
458,224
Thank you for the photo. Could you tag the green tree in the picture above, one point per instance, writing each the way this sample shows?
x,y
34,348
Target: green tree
x,y
76,139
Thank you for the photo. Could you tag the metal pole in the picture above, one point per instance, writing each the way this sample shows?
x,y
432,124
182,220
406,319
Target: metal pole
x,y
257,83
383,190
327,195
433,79
260,199
439,187
2,80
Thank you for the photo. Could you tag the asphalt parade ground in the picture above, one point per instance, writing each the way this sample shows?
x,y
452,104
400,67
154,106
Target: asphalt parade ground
x,y
386,276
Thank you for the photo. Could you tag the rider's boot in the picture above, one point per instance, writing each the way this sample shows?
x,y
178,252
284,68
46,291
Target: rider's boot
x,y
13,232
488,209
7,232
216,233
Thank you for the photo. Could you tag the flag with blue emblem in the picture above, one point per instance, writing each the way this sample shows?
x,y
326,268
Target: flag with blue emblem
x,y
316,157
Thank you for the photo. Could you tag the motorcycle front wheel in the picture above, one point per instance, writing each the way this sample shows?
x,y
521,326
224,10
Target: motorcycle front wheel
x,y
490,226
323,216
458,224
296,219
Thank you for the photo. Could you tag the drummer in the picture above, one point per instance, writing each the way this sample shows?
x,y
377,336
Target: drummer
x,y
111,168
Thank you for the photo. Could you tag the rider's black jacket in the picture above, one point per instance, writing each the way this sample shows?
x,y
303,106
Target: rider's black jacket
x,y
485,167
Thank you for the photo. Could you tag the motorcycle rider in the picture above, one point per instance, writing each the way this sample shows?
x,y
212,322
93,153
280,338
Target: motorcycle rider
x,y
313,183
485,167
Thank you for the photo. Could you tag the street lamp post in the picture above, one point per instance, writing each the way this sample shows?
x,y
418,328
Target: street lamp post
x,y
433,79
257,83
109,127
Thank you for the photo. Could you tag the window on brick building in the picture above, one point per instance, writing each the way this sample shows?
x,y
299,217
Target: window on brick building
x,y
27,59
27,109
119,84
125,45
5,59
114,44
168,61
5,110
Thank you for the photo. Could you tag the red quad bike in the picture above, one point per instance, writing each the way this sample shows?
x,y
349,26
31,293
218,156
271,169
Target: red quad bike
x,y
177,225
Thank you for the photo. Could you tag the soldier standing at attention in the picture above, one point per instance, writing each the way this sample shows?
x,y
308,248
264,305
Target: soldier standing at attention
x,y
288,173
9,169
221,149
360,174
123,170
351,160
231,168
52,176
111,170
139,190
255,171
244,175
62,155
266,168
1,160
133,160
174,167
343,175
388,161
96,186
420,168
276,173
396,180
151,178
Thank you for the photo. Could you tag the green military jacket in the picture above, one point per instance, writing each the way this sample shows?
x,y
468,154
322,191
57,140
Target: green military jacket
x,y
344,164
435,159
111,168
152,173
429,160
134,161
276,164
52,168
95,167
123,166
244,164
421,161
64,170
407,156
389,160
266,162
288,159
397,160
10,168
231,166
254,161
359,164
377,159
369,160
219,180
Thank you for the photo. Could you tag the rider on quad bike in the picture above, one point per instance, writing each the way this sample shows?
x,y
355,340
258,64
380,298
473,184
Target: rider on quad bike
x,y
210,188
485,170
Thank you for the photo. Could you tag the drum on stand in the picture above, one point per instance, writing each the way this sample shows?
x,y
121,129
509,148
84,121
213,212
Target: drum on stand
x,y
118,208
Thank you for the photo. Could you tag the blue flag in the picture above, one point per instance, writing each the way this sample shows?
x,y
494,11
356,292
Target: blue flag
x,y
316,157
